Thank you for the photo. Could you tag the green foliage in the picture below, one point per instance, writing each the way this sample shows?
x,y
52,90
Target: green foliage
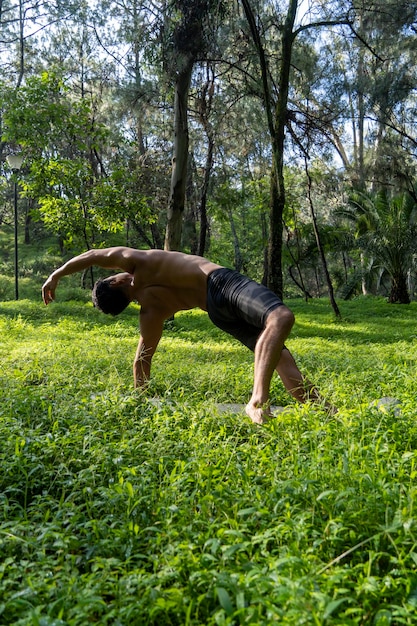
x,y
64,145
238,214
117,509
386,229
34,265
37,112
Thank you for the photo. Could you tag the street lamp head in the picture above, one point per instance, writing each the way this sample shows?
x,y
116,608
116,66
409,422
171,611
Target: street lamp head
x,y
14,161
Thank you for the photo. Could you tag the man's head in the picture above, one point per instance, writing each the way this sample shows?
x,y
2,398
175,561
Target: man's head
x,y
112,295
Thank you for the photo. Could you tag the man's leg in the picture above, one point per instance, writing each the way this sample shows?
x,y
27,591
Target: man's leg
x,y
268,353
292,378
298,386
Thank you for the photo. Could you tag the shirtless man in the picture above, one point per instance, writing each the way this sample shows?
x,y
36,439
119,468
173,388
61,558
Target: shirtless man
x,y
166,282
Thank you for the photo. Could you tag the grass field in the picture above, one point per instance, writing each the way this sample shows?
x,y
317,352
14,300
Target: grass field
x,y
116,510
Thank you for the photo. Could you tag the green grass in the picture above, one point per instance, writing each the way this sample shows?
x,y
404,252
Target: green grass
x,y
115,510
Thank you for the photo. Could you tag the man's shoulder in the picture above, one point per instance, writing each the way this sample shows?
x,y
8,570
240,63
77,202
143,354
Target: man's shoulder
x,y
174,266
131,254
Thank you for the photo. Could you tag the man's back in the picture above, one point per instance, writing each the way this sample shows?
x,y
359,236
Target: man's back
x,y
171,280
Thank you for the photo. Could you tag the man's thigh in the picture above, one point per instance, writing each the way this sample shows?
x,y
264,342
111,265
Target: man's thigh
x,y
239,305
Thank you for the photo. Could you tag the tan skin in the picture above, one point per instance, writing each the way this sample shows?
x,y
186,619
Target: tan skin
x,y
164,283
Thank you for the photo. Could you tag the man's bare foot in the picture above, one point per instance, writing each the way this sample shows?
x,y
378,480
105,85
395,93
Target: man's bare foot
x,y
259,414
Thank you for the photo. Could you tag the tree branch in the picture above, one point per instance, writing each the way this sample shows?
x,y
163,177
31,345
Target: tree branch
x,y
263,63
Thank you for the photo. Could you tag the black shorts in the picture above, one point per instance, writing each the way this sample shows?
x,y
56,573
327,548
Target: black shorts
x,y
238,305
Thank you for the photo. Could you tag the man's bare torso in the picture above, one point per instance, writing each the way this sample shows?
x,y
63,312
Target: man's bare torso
x,y
170,281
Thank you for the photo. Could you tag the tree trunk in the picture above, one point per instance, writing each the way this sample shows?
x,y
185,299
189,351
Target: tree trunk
x,y
203,195
272,276
274,269
363,280
206,101
360,165
21,43
176,201
399,292
28,219
238,261
321,249
300,283
264,228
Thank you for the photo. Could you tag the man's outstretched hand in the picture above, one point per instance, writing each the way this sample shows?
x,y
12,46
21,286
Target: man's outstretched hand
x,y
48,290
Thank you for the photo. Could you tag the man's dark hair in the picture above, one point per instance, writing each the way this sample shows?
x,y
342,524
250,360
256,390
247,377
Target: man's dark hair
x,y
108,299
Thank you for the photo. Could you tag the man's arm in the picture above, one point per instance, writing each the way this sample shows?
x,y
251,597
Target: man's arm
x,y
151,326
109,258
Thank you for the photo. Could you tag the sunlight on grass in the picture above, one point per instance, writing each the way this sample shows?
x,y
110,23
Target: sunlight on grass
x,y
120,507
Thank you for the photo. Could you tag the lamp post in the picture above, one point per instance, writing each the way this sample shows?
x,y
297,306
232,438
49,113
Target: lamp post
x,y
15,163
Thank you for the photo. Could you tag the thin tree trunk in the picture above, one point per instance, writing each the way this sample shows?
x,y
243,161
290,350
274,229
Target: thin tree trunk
x,y
264,230
203,196
300,282
320,248
361,116
206,101
28,219
238,261
363,280
21,44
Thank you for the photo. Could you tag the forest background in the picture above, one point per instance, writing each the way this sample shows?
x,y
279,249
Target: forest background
x,y
278,138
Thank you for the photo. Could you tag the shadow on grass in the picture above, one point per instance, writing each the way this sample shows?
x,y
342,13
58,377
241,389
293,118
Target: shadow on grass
x,y
72,309
364,320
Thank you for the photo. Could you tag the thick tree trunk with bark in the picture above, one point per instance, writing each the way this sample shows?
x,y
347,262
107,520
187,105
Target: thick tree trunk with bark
x,y
176,201
274,269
